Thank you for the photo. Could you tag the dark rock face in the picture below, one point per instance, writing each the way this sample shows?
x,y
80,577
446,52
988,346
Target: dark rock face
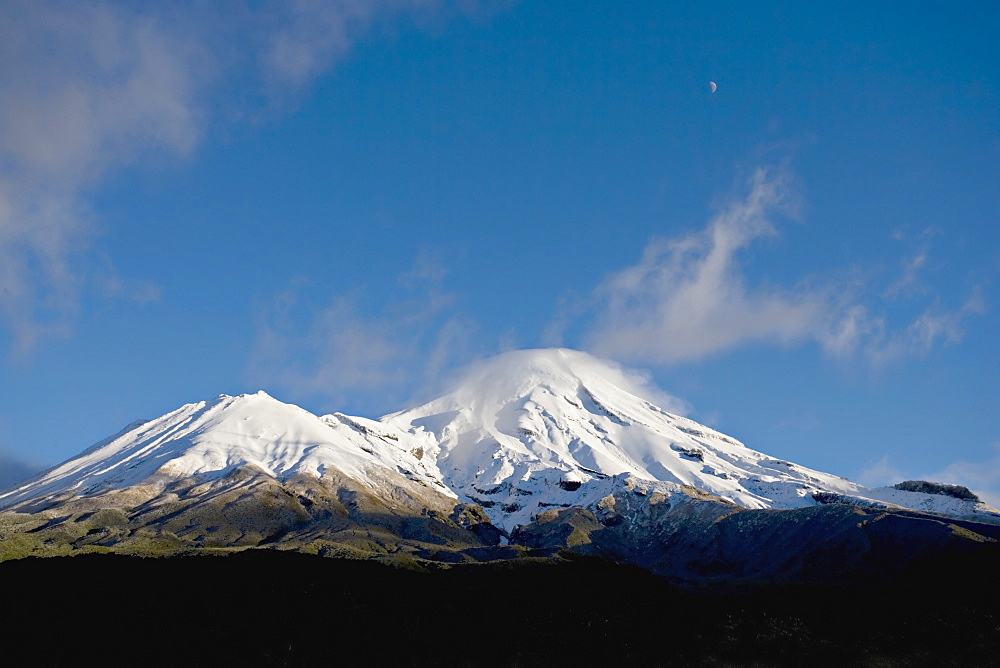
x,y
690,453
927,487
823,498
703,543
473,518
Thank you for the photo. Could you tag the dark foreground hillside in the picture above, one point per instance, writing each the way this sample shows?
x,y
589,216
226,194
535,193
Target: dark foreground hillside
x,y
276,608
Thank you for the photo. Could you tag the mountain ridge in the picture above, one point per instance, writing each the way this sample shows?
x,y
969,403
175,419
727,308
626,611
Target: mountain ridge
x,y
518,434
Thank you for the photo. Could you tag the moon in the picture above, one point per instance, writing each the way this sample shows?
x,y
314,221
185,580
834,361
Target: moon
x,y
712,86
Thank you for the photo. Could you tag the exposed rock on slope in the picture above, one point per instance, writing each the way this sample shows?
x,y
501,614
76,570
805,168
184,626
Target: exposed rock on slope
x,y
926,487
696,541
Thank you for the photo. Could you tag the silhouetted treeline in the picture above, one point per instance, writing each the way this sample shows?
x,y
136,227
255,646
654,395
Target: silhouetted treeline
x,y
286,609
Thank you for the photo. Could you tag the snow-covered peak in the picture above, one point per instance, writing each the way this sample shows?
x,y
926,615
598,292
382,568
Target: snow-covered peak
x,y
560,371
533,429
210,438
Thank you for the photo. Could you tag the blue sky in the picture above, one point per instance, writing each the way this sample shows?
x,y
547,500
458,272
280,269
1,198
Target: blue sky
x,y
342,202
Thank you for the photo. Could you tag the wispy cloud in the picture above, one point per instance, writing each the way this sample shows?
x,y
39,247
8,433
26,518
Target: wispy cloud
x,y
14,469
86,86
90,87
351,353
935,325
879,472
908,283
689,298
981,477
908,278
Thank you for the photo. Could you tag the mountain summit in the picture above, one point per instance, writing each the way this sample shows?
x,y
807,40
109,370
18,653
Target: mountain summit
x,y
209,439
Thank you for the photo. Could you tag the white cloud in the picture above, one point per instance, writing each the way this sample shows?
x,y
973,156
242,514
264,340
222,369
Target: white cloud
x,y
933,326
689,298
314,32
91,86
510,365
86,86
350,350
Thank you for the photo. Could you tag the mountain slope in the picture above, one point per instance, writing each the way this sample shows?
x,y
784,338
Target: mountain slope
x,y
239,472
209,439
705,543
532,430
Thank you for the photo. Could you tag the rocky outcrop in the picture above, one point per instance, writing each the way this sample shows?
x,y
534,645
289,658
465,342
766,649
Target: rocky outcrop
x,y
927,487
473,518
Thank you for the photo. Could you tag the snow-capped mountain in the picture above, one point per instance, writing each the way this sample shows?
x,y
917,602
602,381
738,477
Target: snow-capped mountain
x,y
518,434
208,439
536,429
